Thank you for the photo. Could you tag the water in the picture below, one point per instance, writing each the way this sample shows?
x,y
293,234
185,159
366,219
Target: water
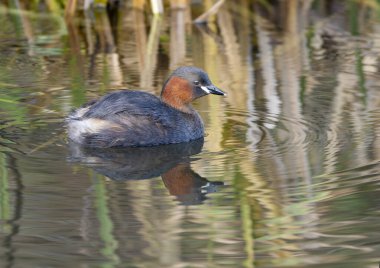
x,y
287,176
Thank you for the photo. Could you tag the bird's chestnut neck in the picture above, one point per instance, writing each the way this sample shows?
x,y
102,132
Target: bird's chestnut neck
x,y
178,93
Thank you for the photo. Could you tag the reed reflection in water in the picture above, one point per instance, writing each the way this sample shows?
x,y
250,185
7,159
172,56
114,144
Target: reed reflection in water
x,y
295,143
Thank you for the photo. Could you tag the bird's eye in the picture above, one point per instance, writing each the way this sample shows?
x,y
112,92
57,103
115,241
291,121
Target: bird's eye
x,y
196,83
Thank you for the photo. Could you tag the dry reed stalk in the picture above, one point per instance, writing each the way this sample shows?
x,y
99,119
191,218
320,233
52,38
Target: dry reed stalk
x,y
179,3
212,11
157,6
141,37
71,8
177,38
146,77
138,4
26,26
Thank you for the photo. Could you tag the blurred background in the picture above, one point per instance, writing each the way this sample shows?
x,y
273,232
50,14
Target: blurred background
x,y
287,176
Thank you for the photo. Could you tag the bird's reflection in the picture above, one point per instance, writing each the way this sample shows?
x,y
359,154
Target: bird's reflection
x,y
171,162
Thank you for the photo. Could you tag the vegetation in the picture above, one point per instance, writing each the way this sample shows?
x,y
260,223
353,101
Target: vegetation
x,y
291,141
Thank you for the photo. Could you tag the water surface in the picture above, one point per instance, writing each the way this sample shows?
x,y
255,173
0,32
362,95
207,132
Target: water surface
x,y
287,176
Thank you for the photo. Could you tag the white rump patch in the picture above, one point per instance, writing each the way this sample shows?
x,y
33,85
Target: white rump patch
x,y
78,129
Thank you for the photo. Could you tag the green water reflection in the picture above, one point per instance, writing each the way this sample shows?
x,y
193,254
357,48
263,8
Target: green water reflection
x,y
287,176
5,206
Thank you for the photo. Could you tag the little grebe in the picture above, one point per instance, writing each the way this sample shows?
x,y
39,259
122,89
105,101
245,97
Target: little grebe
x,y
133,118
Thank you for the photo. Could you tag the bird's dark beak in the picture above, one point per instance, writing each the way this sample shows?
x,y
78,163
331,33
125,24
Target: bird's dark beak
x,y
214,90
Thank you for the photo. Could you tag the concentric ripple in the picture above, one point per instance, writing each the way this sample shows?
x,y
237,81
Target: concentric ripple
x,y
283,133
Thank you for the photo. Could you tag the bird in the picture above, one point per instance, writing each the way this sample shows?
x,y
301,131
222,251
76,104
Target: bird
x,y
131,118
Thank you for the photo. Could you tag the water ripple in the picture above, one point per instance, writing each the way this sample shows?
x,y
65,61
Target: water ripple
x,y
284,133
